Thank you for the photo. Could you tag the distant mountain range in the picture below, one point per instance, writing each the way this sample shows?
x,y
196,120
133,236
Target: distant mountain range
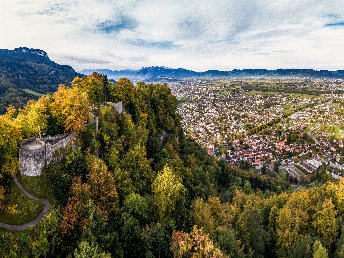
x,y
25,73
156,73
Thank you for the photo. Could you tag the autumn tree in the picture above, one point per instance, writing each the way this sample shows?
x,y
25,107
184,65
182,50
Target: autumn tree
x,y
71,107
293,219
33,119
325,222
10,137
99,188
102,186
195,244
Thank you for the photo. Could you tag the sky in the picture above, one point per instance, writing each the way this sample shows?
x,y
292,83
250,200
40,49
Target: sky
x,y
194,34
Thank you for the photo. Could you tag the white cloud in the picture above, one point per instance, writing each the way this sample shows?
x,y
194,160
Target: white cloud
x,y
196,34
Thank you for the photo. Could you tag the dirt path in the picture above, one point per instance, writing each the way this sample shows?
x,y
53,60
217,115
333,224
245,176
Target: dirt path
x,y
33,223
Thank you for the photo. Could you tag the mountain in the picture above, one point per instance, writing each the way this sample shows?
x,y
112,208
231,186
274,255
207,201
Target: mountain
x,y
26,73
161,73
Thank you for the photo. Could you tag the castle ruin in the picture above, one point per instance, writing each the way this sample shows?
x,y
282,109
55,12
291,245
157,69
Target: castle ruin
x,y
118,106
36,153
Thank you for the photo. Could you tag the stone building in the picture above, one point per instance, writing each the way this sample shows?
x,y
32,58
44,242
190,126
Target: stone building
x,y
118,106
36,153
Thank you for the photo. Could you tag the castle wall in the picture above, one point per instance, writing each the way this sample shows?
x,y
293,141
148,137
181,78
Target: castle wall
x,y
118,106
35,154
32,161
52,148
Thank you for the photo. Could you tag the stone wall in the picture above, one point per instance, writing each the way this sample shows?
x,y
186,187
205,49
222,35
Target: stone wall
x,y
36,153
118,106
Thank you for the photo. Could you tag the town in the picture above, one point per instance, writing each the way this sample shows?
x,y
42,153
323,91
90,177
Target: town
x,y
291,127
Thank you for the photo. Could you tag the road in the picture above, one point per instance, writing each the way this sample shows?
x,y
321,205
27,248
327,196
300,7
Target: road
x,y
34,222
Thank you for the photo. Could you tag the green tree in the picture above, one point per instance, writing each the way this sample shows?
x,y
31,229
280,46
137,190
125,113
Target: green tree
x,y
85,250
95,85
319,251
167,189
136,174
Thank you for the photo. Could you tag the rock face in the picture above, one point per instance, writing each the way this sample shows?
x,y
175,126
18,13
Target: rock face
x,y
36,153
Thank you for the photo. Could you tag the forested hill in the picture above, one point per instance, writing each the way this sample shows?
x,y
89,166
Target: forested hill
x,y
25,73
138,187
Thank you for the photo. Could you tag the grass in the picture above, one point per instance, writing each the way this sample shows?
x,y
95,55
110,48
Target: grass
x,y
223,150
20,208
290,94
257,92
288,108
335,130
225,92
304,95
33,92
38,186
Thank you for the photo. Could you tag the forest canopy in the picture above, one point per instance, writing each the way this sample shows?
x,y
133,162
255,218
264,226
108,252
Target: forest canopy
x,y
139,187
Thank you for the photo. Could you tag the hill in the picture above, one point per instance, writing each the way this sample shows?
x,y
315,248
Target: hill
x,y
26,73
134,185
161,73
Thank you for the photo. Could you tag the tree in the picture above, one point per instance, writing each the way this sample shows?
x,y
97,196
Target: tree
x,y
2,198
71,108
157,240
136,174
340,245
167,189
10,137
276,166
325,222
99,188
227,240
102,186
195,244
293,219
319,251
85,250
95,85
34,118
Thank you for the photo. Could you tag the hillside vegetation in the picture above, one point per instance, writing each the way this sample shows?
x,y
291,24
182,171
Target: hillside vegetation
x,y
138,187
25,73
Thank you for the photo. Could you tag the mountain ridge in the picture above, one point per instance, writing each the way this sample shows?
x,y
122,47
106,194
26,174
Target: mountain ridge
x,y
25,73
149,73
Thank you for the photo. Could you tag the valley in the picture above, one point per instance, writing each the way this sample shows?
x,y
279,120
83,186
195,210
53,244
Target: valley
x,y
291,127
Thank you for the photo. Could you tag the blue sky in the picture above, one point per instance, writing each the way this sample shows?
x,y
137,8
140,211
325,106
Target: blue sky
x,y
195,34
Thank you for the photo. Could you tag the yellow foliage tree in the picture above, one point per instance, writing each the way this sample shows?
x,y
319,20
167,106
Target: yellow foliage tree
x,y
71,107
167,189
325,223
33,118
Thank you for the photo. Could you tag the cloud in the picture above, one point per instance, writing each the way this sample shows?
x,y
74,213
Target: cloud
x,y
117,25
85,60
196,34
335,24
152,44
